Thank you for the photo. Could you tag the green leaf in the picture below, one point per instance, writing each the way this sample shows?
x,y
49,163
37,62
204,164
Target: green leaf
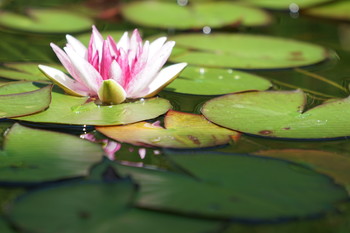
x,y
212,81
332,164
337,10
93,207
279,114
182,130
210,14
235,186
66,109
19,99
46,21
24,71
246,51
286,4
31,155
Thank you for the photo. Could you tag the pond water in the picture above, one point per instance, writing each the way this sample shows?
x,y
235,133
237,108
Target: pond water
x,y
196,178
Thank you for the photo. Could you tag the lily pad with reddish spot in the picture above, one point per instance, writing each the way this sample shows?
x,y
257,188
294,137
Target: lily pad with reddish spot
x,y
213,81
182,130
194,15
66,109
245,51
332,164
23,98
337,10
279,114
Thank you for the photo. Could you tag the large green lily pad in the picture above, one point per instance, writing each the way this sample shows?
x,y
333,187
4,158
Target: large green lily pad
x,y
66,109
279,114
337,10
31,155
92,207
210,14
212,81
24,71
246,51
235,186
286,4
21,98
182,130
332,164
46,21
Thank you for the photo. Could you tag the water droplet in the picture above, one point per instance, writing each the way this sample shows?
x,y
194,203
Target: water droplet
x,y
294,8
206,30
230,71
182,2
237,77
156,140
221,77
201,70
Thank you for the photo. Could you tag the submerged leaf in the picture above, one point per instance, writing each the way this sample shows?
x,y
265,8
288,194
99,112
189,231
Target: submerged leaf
x,y
232,186
93,207
334,165
279,114
182,130
32,155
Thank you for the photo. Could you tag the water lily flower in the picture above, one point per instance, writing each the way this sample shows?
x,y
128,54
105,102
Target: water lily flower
x,y
114,71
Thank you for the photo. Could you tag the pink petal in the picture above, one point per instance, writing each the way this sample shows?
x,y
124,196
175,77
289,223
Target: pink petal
x,y
164,77
115,72
88,74
124,42
77,46
61,79
64,59
151,69
106,60
156,45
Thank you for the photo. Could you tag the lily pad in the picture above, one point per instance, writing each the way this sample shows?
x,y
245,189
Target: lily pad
x,y
279,114
332,164
24,71
92,207
182,130
15,103
46,21
66,109
246,51
235,187
31,155
210,14
337,10
212,81
286,4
